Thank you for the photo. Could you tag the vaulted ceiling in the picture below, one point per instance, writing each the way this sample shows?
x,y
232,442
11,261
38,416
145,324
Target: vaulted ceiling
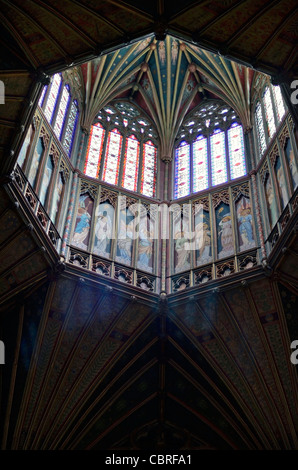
x,y
167,79
40,37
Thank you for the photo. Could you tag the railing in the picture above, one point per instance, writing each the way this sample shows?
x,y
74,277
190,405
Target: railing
x,y
217,270
113,270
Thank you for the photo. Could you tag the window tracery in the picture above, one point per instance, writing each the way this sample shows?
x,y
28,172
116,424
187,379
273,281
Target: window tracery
x,y
60,110
210,149
122,147
269,111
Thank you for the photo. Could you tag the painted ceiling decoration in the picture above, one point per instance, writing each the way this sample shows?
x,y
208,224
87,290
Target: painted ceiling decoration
x,y
167,79
40,37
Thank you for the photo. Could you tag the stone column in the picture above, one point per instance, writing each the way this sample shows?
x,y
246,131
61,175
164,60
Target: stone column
x,y
165,223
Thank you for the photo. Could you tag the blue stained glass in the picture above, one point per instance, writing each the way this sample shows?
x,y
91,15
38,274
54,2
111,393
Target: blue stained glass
x,y
218,157
112,159
236,151
182,170
200,164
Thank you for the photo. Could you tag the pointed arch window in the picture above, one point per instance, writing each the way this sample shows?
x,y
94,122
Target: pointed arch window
x,y
278,101
269,112
125,153
211,149
200,164
131,163
182,170
52,97
236,151
218,157
62,109
148,181
70,127
112,160
94,150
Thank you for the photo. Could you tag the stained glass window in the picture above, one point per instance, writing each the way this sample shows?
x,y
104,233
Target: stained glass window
x,y
279,105
62,109
94,150
200,164
53,95
218,157
112,160
71,127
269,112
236,151
260,128
42,96
131,161
182,170
149,169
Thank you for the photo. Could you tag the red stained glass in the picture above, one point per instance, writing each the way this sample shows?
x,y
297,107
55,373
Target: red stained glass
x,y
131,164
94,151
148,181
112,160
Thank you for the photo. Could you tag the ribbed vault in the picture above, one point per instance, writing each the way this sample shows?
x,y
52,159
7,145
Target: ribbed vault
x,y
167,79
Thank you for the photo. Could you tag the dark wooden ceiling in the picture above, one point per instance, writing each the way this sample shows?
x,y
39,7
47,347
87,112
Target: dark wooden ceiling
x,y
95,364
